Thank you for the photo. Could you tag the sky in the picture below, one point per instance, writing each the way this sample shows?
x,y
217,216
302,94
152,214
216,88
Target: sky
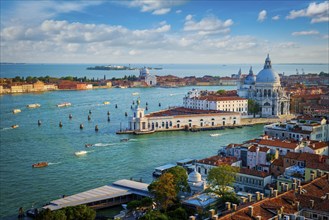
x,y
164,31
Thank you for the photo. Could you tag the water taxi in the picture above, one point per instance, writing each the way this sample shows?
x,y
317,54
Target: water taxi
x,y
40,164
36,105
214,135
64,104
15,111
106,103
80,153
14,126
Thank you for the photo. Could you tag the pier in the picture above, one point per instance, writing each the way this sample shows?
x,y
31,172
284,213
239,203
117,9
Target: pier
x,y
119,192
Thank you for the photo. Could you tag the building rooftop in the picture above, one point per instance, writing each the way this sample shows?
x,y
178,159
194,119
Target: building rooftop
x,y
252,172
279,143
219,98
181,111
218,160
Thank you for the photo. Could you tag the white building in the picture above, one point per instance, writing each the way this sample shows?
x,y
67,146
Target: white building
x,y
194,100
179,119
149,79
266,90
301,128
196,183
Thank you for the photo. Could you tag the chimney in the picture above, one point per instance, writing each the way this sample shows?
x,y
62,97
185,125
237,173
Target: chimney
x,y
261,196
215,217
191,217
327,196
312,203
295,180
227,206
300,189
297,205
271,191
282,187
275,193
250,211
244,199
319,173
312,176
258,217
299,182
294,186
257,196
249,197
234,207
211,213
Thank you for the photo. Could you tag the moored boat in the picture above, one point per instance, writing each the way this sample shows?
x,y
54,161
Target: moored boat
x,y
64,104
15,111
36,105
80,153
40,164
144,132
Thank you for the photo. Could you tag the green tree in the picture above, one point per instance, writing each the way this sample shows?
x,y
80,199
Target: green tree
x,y
253,107
221,177
180,179
178,214
154,215
221,92
81,212
229,197
133,204
164,191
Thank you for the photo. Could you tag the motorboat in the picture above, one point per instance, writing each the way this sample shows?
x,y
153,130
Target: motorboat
x,y
144,132
36,105
124,139
135,93
88,145
14,126
214,135
15,111
106,103
40,164
64,104
80,153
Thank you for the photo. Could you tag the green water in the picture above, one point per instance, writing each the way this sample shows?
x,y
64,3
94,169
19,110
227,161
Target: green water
x,y
108,161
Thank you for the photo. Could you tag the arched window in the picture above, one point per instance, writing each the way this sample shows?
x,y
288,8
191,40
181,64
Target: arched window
x,y
269,92
201,119
163,124
156,124
170,123
265,92
178,121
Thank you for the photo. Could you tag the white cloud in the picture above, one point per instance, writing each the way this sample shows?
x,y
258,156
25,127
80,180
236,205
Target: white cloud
x,y
156,7
326,36
304,33
134,52
262,16
318,12
178,11
276,17
207,25
161,11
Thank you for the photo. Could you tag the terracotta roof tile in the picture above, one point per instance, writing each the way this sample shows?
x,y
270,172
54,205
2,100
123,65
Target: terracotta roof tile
x,y
218,160
252,172
278,143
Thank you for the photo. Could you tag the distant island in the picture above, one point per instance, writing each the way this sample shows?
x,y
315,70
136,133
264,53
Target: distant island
x,y
117,67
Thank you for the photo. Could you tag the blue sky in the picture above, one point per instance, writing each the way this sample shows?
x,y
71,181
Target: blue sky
x,y
171,31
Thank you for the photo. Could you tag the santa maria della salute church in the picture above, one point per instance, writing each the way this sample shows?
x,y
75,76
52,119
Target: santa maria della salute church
x,y
266,90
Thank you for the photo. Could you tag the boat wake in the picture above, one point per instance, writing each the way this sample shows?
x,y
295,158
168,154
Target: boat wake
x,y
103,144
4,129
133,139
54,163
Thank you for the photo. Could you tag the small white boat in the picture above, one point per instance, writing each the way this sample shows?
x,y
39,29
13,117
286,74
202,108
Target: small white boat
x,y
36,105
80,153
64,104
214,135
135,93
106,103
15,111
14,126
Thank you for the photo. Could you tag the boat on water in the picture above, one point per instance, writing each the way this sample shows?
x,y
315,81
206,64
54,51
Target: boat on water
x,y
35,105
14,126
135,93
40,164
214,135
106,103
80,153
64,104
144,132
15,111
124,139
88,145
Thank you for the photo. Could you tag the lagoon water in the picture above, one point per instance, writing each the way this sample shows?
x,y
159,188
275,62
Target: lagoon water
x,y
109,160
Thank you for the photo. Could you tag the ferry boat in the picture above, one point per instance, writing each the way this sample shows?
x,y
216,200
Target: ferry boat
x,y
162,169
36,105
64,104
15,111
40,164
80,153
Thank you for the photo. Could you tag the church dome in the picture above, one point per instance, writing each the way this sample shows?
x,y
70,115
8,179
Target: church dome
x,y
194,177
267,75
144,71
251,78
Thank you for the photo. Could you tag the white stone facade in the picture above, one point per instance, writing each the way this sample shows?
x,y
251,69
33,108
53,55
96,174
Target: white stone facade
x,y
266,90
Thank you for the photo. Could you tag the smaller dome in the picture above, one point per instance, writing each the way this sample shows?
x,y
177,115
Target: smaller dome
x,y
194,177
251,78
144,71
